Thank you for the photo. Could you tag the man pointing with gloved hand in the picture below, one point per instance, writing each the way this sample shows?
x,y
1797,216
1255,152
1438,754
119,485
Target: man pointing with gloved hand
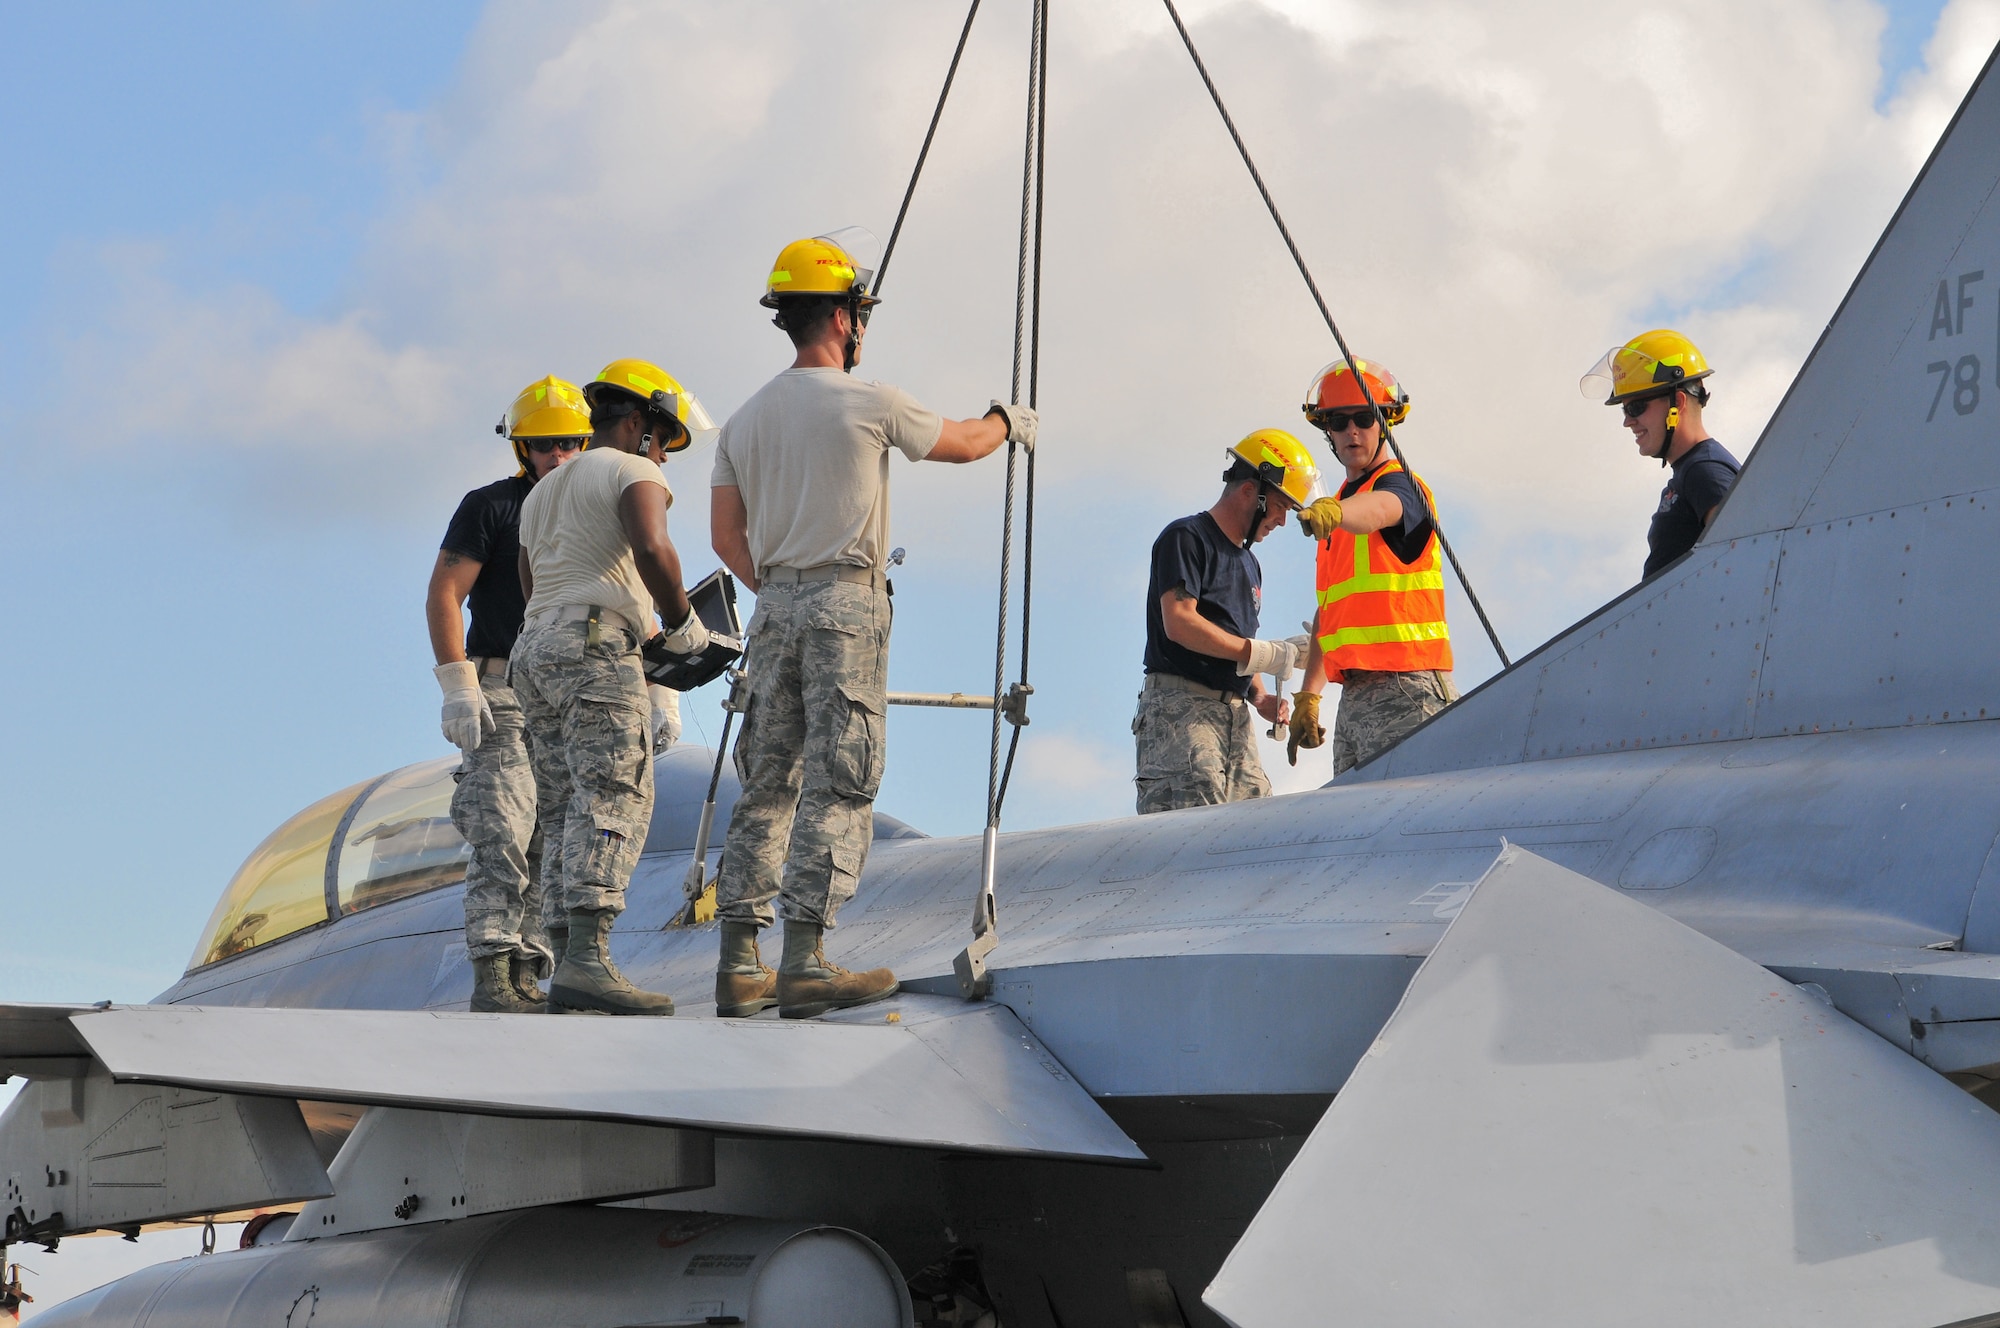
x,y
1196,729
1380,627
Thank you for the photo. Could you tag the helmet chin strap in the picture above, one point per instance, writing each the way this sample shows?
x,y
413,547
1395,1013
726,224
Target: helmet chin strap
x,y
1257,519
852,353
1673,422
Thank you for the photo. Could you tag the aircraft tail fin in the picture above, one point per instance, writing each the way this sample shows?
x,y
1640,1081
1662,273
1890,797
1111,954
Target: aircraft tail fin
x,y
1852,580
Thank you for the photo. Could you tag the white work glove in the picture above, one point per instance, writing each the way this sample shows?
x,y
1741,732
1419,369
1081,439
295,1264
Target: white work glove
x,y
1301,652
1021,421
1277,658
663,726
467,718
690,638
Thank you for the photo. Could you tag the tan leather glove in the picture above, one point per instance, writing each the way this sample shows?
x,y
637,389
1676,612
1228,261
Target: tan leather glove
x,y
1306,731
1320,519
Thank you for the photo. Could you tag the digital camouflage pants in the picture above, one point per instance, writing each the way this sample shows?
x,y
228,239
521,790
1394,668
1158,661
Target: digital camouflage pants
x,y
587,714
493,808
810,755
1194,749
1378,710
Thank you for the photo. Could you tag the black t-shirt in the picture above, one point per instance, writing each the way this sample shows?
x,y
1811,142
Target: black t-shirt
x,y
1228,585
487,529
1702,478
1407,539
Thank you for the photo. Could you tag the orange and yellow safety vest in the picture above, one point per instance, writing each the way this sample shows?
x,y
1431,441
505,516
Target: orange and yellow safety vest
x,y
1377,612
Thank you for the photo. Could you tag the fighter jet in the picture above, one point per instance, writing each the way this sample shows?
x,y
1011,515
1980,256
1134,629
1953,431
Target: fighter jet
x,y
1656,982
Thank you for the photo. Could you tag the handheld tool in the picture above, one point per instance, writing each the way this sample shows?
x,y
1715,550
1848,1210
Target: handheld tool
x,y
698,881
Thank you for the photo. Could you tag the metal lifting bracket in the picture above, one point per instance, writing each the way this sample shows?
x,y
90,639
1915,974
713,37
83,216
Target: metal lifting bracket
x,y
1014,707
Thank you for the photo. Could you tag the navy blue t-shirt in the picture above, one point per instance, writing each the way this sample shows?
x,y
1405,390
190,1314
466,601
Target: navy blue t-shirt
x,y
487,529
1407,539
1228,585
1702,478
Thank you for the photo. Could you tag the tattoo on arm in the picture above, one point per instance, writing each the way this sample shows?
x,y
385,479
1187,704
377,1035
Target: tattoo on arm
x,y
1183,593
450,559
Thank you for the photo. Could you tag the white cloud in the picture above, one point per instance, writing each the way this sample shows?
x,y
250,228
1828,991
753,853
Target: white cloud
x,y
1489,196
1062,762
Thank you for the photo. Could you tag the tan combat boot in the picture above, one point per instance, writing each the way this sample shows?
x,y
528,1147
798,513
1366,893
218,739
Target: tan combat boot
x,y
525,986
743,984
493,991
586,979
808,985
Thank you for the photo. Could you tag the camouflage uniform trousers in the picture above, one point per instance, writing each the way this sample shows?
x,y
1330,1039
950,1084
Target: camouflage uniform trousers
x,y
587,713
1378,710
1194,748
811,753
493,808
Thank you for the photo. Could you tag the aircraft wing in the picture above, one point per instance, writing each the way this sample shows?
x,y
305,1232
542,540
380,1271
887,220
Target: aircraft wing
x,y
923,1071
1584,1112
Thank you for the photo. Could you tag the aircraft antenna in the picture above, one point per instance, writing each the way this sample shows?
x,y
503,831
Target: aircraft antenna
x,y
1285,231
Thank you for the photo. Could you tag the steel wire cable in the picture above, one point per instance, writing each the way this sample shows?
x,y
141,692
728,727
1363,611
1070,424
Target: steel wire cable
x,y
1030,230
1382,422
1034,397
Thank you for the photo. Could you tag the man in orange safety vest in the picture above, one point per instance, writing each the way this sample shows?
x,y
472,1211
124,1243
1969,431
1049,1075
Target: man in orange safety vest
x,y
1380,625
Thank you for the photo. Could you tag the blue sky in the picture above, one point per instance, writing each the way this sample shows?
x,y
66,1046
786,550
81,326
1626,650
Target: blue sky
x,y
238,143
215,605
201,645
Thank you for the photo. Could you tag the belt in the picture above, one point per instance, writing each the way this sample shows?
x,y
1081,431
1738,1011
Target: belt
x,y
1173,682
490,666
793,576
569,613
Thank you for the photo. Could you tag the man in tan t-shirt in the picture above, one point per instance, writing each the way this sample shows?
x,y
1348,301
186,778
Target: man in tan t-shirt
x,y
800,512
595,563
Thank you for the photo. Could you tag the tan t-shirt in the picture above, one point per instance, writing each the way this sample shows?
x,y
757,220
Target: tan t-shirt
x,y
576,546
810,451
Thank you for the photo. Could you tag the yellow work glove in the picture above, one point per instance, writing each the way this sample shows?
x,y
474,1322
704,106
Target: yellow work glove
x,y
1306,731
1318,521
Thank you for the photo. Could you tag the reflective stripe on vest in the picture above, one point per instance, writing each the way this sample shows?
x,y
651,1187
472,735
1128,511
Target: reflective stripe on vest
x,y
1389,621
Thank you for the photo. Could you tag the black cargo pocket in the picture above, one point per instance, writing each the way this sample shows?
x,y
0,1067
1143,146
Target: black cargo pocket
x,y
860,749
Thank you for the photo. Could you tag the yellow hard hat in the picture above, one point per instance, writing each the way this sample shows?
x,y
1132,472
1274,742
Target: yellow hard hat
x,y
1648,363
1283,462
545,408
661,393
822,265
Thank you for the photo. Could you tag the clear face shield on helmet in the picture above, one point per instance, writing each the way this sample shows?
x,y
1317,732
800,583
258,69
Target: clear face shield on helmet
x,y
1622,372
684,408
1314,490
1380,385
862,249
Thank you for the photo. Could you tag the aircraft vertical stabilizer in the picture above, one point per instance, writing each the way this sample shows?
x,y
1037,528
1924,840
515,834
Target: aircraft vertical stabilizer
x,y
1851,580
1585,1112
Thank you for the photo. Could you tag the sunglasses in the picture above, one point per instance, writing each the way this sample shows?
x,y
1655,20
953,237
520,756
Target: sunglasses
x,y
1634,409
1338,421
544,446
